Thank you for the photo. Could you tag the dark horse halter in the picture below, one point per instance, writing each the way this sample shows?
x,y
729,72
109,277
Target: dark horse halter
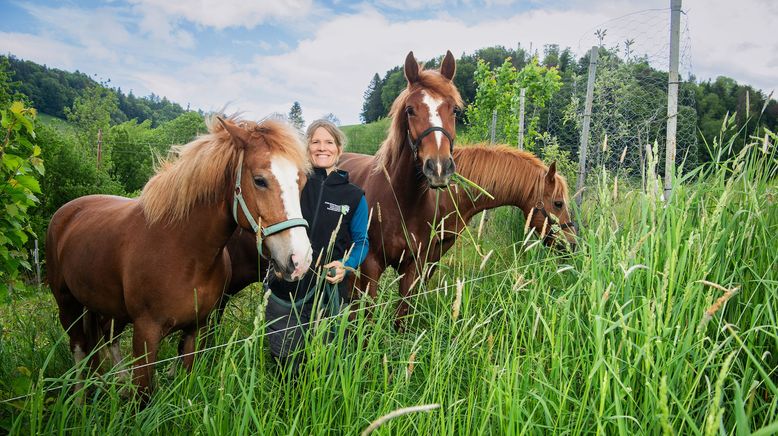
x,y
415,144
540,207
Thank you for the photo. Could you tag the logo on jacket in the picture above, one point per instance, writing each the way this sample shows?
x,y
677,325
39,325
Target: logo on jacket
x,y
342,209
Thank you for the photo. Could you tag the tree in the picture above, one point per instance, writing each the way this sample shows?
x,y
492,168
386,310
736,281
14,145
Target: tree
x,y
296,116
20,166
331,118
499,90
373,108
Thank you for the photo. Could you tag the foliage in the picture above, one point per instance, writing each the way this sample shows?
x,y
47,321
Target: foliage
x,y
499,90
331,118
372,108
51,90
296,116
20,166
552,152
91,117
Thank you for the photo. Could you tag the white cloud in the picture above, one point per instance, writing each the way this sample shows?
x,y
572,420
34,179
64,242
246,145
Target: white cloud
x,y
219,14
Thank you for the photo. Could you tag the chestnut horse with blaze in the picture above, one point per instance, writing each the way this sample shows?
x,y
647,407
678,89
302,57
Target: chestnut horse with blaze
x,y
417,155
159,261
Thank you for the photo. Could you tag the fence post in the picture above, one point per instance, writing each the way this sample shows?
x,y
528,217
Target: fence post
x,y
36,257
521,118
672,96
99,147
587,119
494,126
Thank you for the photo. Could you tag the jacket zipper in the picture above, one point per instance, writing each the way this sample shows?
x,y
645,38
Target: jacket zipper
x,y
318,206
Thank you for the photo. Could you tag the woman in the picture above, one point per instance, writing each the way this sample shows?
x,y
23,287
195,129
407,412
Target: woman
x,y
337,216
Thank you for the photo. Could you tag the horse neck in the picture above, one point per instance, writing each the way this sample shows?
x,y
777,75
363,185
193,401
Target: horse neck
x,y
408,186
514,187
209,228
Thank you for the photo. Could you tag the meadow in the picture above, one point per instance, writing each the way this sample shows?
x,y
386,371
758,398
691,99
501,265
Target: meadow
x,y
663,321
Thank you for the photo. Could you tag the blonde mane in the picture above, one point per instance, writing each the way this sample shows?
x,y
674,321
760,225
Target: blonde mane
x,y
505,172
204,170
432,82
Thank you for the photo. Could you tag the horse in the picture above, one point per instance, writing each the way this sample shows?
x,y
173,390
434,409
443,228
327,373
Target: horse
x,y
159,261
512,177
417,155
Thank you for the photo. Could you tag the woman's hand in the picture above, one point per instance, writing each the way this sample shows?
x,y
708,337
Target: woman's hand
x,y
340,272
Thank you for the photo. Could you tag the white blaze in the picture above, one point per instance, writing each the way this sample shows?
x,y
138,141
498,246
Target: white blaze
x,y
433,104
285,173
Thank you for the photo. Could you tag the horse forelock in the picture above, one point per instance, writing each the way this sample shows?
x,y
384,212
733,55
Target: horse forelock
x,y
506,172
204,170
436,86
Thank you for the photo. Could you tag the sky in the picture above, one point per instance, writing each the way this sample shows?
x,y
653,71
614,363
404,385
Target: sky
x,y
260,56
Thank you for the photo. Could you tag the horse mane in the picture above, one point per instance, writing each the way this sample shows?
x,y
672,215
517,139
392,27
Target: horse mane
x,y
204,169
429,80
504,171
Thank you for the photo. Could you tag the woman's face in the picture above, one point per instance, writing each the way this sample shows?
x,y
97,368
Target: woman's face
x,y
322,149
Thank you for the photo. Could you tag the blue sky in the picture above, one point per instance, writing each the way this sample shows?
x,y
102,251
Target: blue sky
x,y
261,56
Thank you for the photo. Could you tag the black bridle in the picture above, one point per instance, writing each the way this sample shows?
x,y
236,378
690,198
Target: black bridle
x,y
415,144
540,207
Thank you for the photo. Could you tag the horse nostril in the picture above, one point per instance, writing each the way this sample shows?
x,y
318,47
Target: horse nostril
x,y
450,165
429,165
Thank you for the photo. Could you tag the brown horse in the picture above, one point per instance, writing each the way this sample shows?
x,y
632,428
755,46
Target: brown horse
x,y
417,154
513,177
159,261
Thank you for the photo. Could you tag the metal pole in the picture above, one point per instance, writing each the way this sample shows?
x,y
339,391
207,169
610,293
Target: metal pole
x,y
672,96
494,125
521,118
587,119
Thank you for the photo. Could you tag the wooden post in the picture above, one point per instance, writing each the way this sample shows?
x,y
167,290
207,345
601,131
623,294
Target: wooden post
x,y
99,147
521,117
672,97
36,257
494,125
587,119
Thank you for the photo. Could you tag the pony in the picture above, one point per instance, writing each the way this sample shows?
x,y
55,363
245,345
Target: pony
x,y
159,261
416,155
512,177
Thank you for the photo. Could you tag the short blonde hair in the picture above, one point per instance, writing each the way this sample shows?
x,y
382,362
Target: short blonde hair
x,y
340,138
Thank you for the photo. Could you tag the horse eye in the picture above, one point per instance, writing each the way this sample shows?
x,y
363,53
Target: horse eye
x,y
409,111
559,204
260,182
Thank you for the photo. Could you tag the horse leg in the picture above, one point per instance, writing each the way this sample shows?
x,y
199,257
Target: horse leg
x,y
188,342
370,273
145,344
409,276
71,313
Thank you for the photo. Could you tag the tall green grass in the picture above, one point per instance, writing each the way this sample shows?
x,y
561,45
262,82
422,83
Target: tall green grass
x,y
628,335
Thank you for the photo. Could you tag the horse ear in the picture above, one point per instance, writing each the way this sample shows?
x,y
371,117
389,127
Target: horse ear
x,y
551,173
449,66
411,69
240,135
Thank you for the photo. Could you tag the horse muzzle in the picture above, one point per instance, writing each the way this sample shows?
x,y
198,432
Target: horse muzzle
x,y
439,171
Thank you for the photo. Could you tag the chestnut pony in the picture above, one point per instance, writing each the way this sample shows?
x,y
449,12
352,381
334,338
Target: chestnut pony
x,y
158,261
418,154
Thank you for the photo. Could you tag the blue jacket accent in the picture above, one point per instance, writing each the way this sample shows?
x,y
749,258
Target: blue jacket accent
x,y
358,229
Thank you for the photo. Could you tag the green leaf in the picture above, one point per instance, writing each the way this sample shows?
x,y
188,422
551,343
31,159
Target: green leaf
x,y
12,161
17,107
12,210
36,151
37,163
29,182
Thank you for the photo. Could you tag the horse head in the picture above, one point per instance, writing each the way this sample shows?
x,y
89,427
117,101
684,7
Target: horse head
x,y
551,215
269,177
427,106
